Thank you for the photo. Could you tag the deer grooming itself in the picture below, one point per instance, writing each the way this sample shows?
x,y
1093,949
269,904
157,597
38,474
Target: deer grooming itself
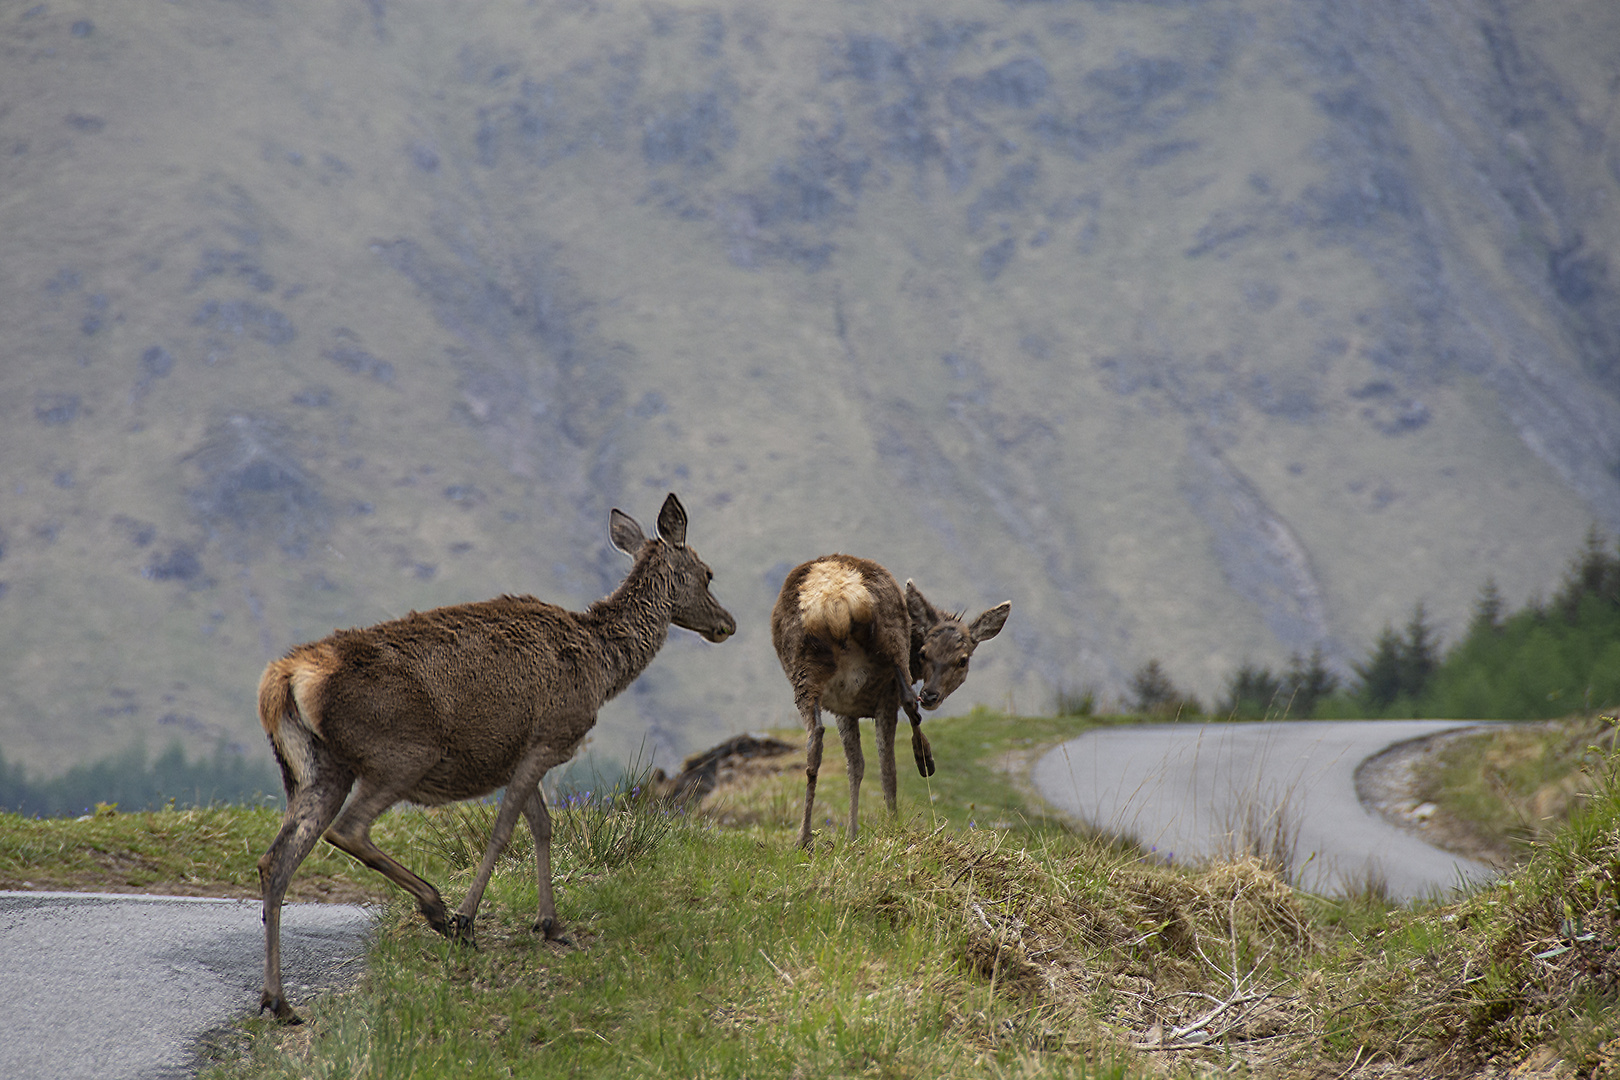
x,y
454,703
851,642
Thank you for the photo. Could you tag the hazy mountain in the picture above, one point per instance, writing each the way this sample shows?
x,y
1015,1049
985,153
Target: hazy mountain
x,y
1205,331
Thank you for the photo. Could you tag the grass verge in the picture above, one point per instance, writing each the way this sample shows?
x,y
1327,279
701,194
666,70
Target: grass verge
x,y
1515,786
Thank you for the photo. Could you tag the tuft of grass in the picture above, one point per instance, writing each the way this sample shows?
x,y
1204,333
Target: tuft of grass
x,y
592,828
1263,825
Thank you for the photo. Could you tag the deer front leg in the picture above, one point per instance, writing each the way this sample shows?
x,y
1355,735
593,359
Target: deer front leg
x,y
520,788
849,730
919,742
921,750
812,766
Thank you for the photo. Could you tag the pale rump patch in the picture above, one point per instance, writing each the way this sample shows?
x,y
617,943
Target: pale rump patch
x,y
311,668
832,597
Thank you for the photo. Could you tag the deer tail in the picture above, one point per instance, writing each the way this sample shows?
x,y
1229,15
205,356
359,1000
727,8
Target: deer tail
x,y
832,598
289,711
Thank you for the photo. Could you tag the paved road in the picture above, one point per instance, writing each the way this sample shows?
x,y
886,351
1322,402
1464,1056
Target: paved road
x,y
114,987
1187,790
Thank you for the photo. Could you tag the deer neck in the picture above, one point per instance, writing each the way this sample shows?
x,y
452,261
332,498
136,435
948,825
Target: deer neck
x,y
632,623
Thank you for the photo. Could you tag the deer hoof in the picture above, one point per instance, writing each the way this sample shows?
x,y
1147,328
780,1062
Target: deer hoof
x,y
279,1009
553,931
925,762
436,919
462,931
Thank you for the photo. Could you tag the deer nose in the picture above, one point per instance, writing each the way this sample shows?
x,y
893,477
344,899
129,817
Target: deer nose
x,y
929,699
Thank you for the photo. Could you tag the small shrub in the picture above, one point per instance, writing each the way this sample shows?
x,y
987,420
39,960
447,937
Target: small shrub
x,y
1082,702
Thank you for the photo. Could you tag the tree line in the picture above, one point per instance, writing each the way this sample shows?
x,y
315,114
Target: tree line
x,y
1547,659
129,781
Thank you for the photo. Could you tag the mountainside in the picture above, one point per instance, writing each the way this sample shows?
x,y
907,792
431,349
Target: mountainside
x,y
1207,331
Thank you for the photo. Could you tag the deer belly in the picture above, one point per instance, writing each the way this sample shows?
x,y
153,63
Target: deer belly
x,y
853,688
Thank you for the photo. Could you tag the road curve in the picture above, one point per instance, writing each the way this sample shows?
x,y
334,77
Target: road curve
x,y
116,986
1186,790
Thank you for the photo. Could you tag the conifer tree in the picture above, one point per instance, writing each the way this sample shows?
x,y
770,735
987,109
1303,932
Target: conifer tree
x,y
1593,573
1487,610
1252,692
1419,654
1155,693
1380,674
1307,683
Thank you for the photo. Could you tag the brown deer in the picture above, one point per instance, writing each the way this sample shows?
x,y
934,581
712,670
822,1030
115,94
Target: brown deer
x,y
849,641
454,703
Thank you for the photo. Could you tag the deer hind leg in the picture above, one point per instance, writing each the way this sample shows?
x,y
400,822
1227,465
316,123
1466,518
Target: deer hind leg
x,y
812,765
310,809
887,721
522,788
352,833
540,826
849,730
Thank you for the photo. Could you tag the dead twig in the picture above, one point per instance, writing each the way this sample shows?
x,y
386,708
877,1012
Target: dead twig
x,y
785,976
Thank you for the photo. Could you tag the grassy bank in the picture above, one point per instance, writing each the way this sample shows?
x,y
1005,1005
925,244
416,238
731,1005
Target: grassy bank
x,y
971,937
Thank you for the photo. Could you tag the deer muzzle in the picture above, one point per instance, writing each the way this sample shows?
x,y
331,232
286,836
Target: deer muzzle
x,y
721,630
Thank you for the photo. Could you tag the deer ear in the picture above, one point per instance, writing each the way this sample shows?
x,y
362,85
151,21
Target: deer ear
x,y
672,521
989,624
625,533
923,614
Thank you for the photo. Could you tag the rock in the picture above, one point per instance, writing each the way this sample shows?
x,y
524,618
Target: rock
x,y
702,773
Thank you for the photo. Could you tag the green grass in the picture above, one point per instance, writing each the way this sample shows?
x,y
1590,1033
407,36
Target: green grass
x,y
911,952
204,851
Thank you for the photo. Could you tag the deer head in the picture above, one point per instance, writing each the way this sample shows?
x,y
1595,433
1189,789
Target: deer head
x,y
941,644
694,606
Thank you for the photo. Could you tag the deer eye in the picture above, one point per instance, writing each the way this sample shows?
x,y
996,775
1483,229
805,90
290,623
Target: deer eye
x,y
962,663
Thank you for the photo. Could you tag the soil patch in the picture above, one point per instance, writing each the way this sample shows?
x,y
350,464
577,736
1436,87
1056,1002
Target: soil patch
x,y
1389,783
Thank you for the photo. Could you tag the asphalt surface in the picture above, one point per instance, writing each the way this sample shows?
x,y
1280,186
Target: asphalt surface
x,y
1188,790
123,987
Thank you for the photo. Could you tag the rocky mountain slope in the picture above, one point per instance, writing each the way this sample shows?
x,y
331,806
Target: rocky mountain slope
x,y
1208,331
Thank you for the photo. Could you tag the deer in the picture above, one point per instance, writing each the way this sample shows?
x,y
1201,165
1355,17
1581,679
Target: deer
x,y
849,641
454,703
